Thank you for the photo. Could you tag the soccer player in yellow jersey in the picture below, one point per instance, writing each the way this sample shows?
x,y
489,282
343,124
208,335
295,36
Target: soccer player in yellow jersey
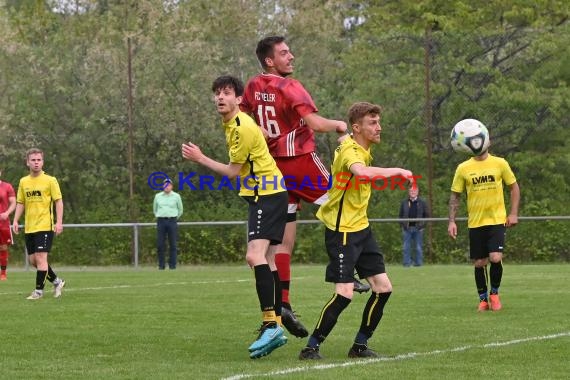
x,y
262,187
36,197
483,178
348,238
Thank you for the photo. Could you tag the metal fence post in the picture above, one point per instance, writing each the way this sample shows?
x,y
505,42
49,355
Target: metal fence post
x,y
136,237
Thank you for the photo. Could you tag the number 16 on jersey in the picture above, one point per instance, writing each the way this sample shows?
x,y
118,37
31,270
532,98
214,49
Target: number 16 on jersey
x,y
266,116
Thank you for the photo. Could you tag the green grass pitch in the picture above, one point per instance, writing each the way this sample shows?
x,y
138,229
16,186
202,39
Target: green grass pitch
x,y
197,322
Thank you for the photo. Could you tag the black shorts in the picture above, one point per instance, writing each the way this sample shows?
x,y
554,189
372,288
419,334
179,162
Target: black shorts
x,y
39,242
352,250
486,239
267,217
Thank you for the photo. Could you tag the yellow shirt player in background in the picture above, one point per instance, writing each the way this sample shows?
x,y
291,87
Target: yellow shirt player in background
x,y
261,187
36,197
483,178
348,238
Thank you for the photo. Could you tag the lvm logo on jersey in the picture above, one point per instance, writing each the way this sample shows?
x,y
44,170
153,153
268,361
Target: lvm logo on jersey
x,y
483,179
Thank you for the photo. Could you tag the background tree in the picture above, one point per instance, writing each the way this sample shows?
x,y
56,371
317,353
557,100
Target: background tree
x,y
63,80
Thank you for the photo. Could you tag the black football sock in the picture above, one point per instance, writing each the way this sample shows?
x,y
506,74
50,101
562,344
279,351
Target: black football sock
x,y
277,284
481,282
329,316
40,279
371,316
51,276
495,275
265,286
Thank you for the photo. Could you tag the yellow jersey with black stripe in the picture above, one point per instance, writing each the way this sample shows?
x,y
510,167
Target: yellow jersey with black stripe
x,y
483,181
259,174
37,194
347,204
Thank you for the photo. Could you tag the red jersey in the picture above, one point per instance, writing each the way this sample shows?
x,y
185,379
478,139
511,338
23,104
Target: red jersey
x,y
278,105
6,192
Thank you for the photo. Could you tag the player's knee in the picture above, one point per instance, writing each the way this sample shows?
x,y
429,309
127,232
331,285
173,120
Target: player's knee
x,y
250,261
255,258
287,244
496,257
380,283
345,289
480,263
383,288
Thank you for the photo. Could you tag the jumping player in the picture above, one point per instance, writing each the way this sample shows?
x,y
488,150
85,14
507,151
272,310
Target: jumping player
x,y
286,112
250,158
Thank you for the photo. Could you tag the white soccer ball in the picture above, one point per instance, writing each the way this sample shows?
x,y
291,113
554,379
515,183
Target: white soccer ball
x,y
470,136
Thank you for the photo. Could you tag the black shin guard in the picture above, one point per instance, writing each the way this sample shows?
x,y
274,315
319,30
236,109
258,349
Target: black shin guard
x,y
373,312
329,316
496,274
264,284
40,279
481,279
278,295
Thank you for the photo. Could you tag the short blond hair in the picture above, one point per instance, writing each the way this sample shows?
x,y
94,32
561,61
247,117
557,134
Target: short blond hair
x,y
34,151
358,110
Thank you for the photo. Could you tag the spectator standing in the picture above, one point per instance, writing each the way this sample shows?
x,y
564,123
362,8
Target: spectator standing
x,y
167,207
413,207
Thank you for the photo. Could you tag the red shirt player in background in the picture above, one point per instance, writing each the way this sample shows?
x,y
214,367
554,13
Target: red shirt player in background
x,y
7,206
288,117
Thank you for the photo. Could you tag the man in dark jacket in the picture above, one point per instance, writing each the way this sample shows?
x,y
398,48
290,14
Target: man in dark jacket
x,y
413,231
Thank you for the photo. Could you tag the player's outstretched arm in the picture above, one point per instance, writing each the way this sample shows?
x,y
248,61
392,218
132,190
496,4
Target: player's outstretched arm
x,y
320,124
372,172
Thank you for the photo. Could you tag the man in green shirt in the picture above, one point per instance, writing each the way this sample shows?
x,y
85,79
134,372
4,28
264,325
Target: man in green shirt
x,y
167,207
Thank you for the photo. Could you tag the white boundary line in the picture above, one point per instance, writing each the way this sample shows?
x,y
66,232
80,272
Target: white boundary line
x,y
130,286
409,355
127,286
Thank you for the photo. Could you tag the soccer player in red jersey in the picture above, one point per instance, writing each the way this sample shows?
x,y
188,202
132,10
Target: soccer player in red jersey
x,y
285,111
7,206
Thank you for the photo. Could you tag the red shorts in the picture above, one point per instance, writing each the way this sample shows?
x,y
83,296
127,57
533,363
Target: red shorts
x,y
5,233
306,178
